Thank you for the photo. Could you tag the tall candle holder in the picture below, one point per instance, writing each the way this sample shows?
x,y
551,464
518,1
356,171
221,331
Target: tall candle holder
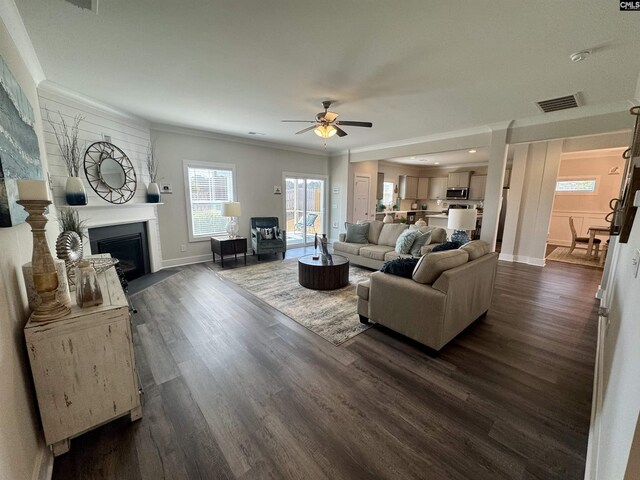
x,y
45,278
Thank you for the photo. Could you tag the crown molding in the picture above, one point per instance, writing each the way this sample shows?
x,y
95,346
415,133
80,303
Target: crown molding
x,y
17,31
49,87
168,128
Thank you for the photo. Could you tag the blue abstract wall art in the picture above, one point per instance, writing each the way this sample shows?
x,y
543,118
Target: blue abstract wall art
x,y
19,149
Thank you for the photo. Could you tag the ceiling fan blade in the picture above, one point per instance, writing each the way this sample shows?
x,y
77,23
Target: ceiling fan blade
x,y
297,121
306,129
340,132
354,124
330,116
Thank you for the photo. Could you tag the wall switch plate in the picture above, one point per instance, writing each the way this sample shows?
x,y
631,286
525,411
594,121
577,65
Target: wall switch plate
x,y
636,199
335,224
183,247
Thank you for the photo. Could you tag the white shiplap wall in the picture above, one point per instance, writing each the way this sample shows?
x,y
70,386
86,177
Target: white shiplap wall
x,y
130,134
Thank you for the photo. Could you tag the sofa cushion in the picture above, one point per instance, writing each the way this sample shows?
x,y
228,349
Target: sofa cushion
x,y
376,252
351,248
390,233
476,248
420,240
438,235
357,232
431,266
405,240
362,290
392,255
375,227
402,267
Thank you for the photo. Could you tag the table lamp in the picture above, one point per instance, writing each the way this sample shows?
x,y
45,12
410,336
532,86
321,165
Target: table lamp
x,y
232,210
461,220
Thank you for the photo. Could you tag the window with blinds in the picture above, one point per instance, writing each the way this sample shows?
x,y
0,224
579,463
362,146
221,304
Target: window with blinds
x,y
209,187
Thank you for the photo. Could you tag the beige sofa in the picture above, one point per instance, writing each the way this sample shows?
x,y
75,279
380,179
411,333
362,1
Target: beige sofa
x,y
448,291
382,243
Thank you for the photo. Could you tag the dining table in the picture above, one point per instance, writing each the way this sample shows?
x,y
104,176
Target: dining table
x,y
593,231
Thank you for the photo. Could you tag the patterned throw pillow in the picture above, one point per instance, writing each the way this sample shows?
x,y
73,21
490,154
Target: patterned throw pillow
x,y
405,240
446,246
402,267
267,233
420,240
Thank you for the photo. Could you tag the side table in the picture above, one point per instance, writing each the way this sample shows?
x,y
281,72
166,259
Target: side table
x,y
228,246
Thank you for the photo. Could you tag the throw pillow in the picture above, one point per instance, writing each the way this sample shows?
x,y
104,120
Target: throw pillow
x,y
446,246
420,240
402,267
357,233
267,233
405,240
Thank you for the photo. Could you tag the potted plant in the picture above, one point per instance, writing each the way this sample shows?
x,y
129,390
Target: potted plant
x,y
153,191
71,152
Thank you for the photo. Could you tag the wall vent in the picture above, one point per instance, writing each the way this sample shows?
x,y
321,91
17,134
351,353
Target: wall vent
x,y
560,103
86,4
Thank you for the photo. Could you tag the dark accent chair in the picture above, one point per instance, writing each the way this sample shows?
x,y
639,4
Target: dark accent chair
x,y
272,245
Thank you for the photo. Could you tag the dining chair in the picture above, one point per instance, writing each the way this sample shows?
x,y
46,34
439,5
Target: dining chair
x,y
575,239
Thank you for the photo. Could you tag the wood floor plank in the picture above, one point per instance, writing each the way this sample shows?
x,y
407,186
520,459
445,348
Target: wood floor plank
x,y
235,389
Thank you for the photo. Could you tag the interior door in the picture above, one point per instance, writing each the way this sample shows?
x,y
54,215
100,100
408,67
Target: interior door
x,y
361,198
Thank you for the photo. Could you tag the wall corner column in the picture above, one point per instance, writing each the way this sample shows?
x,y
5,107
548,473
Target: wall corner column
x,y
495,181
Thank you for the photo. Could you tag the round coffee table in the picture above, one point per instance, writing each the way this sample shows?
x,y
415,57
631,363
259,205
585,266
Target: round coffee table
x,y
319,275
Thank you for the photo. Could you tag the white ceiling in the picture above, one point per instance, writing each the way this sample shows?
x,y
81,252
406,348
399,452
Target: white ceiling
x,y
412,67
468,157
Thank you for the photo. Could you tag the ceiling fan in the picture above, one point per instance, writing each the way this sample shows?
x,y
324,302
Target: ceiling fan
x,y
326,124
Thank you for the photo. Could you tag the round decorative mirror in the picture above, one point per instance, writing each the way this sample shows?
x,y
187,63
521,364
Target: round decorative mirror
x,y
110,172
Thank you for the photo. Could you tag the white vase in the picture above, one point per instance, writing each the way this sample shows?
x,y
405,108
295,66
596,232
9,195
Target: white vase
x,y
75,192
388,218
153,193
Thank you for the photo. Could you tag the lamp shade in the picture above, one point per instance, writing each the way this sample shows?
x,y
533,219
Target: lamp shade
x,y
231,209
462,219
325,131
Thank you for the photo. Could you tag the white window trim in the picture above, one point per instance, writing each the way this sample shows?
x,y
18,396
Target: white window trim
x,y
186,164
579,177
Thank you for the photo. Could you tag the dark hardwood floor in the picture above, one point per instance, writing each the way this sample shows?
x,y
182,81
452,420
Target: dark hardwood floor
x,y
234,389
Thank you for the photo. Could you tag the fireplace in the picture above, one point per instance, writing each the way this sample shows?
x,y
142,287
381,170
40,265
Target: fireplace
x,y
127,242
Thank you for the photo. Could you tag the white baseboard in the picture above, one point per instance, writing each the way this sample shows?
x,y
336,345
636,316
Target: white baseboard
x,y
43,469
538,262
177,262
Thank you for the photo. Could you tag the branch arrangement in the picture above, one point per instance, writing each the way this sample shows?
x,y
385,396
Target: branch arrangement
x,y
152,163
67,138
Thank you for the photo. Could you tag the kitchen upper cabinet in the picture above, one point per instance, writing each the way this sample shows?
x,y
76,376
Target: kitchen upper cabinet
x,y
438,188
423,188
408,187
477,187
380,186
458,179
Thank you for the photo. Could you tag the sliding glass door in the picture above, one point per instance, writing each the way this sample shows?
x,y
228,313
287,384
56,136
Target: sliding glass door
x,y
304,208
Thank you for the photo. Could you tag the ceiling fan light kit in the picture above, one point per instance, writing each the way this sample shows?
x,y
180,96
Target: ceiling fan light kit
x,y
326,124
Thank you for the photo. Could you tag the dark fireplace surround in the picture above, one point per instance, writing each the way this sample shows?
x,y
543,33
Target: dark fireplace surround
x,y
127,242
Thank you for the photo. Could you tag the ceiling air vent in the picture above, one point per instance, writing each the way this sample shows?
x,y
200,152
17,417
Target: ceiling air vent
x,y
86,4
560,103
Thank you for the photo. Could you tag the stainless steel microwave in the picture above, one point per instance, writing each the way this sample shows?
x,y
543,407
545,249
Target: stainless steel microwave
x,y
457,193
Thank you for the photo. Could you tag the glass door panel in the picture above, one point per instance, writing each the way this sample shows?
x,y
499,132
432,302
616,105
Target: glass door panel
x,y
304,209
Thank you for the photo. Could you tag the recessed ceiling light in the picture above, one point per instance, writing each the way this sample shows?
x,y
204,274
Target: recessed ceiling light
x,y
412,158
579,56
436,163
472,151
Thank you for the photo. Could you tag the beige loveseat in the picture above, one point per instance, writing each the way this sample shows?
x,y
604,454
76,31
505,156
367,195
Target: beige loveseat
x,y
448,291
382,243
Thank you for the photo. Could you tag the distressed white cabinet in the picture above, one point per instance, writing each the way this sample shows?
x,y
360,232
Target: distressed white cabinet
x,y
408,187
423,188
459,179
83,367
438,188
477,187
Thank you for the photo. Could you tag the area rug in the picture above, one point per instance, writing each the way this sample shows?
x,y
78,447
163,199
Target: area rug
x,y
577,257
330,314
